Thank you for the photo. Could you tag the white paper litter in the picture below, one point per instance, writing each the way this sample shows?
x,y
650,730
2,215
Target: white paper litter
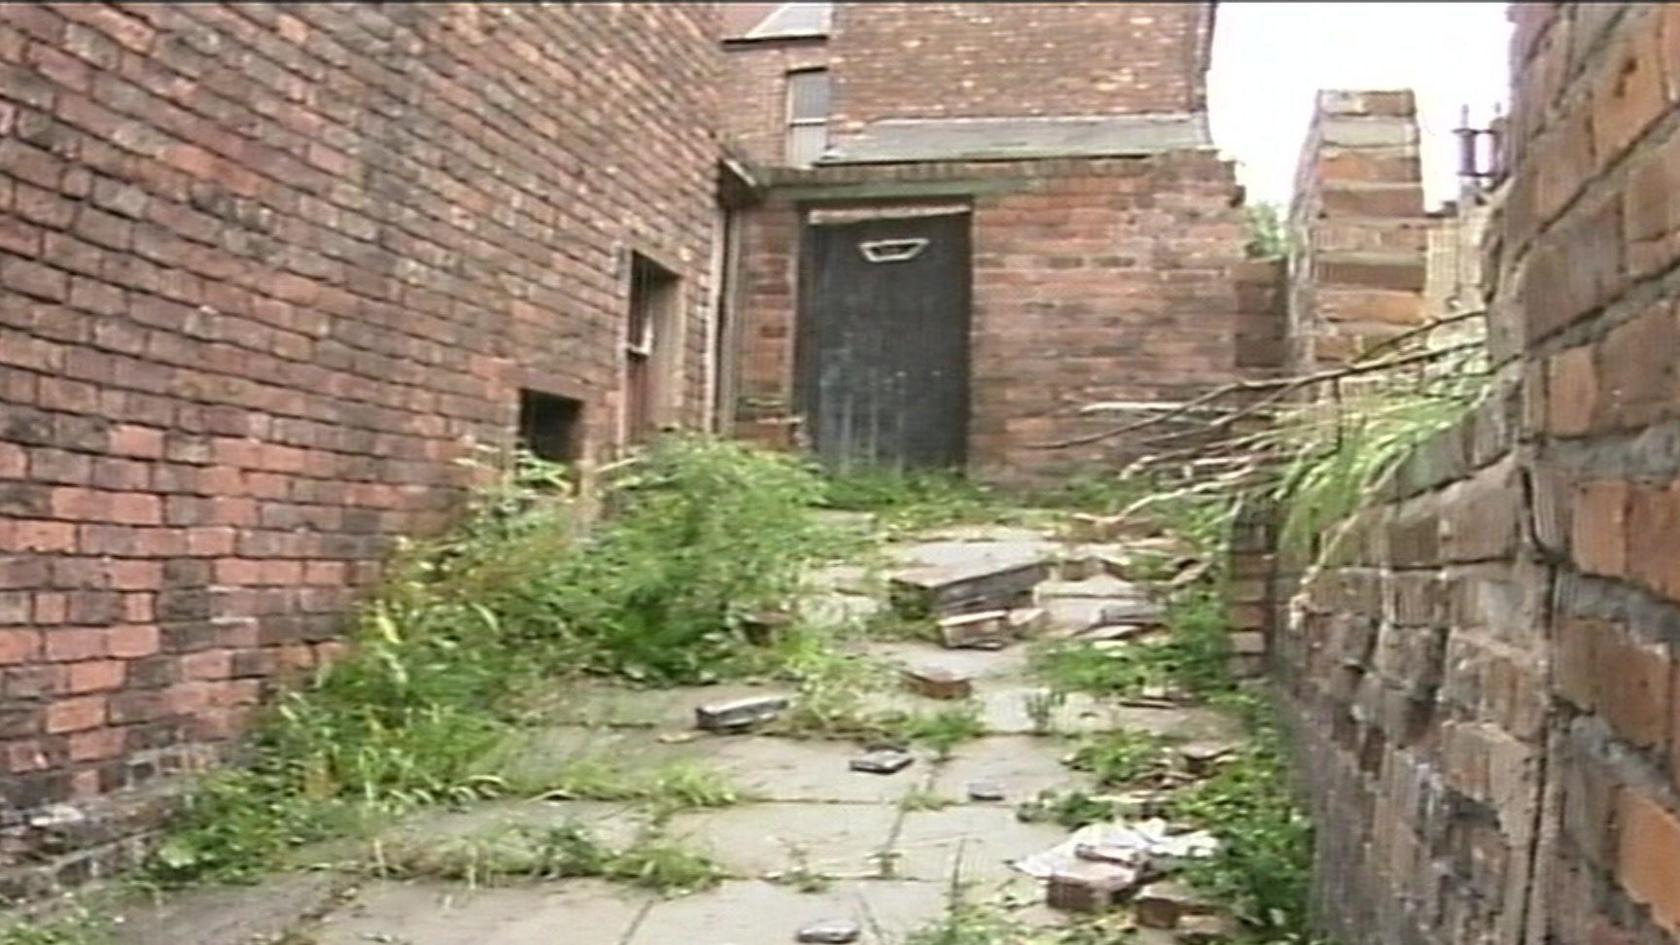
x,y
1137,844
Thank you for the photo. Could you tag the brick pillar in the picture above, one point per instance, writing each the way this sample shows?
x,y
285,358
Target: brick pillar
x,y
1361,235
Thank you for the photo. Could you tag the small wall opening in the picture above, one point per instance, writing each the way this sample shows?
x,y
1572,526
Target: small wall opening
x,y
551,426
652,347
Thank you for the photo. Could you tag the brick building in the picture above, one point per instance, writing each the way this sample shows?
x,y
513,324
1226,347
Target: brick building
x,y
266,272
973,219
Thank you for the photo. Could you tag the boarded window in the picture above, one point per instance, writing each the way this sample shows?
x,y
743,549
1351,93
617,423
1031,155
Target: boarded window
x,y
807,95
651,349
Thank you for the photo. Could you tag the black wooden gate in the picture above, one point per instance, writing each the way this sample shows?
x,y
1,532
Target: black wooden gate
x,y
882,346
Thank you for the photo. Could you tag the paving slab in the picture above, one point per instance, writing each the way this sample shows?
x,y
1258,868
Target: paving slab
x,y
218,915
755,840
612,822
597,704
976,664
759,913
577,912
967,555
786,769
1022,765
1101,585
986,837
838,609
1004,711
1070,616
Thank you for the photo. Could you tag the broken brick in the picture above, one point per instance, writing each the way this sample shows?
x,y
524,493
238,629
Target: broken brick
x,y
983,631
938,682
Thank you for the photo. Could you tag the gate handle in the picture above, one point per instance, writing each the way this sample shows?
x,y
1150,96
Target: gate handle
x,y
885,251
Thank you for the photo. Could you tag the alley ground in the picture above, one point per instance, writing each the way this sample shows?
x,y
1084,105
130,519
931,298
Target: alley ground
x,y
806,840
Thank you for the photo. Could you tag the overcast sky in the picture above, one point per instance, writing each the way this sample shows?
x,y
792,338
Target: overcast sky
x,y
1269,58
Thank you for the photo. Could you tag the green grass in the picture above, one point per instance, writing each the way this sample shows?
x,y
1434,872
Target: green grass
x,y
1070,809
911,502
1117,759
703,533
523,852
1263,869
76,924
1191,657
944,729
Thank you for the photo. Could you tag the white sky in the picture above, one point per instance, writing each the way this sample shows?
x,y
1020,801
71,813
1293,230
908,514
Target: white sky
x,y
1270,58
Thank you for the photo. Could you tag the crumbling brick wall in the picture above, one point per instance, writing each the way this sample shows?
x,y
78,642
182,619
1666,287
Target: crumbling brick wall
x,y
1484,672
972,60
1358,225
264,272
1094,280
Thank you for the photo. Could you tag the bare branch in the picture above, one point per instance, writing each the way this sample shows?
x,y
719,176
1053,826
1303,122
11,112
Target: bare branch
x,y
1278,387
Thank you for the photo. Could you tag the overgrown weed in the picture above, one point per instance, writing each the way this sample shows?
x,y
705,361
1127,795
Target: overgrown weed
x,y
74,924
1263,868
704,533
525,852
1192,656
1117,759
904,503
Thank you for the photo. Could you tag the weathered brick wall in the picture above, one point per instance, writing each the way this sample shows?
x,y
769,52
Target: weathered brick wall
x,y
264,271
1485,674
1414,670
755,121
1358,224
1592,236
967,60
1094,280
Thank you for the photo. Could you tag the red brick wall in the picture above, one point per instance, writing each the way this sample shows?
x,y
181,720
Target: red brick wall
x,y
1486,670
1094,280
1592,236
954,60
1358,225
755,123
264,271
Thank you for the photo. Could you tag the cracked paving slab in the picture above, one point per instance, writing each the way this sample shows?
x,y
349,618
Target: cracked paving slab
x,y
842,840
783,769
577,912
759,913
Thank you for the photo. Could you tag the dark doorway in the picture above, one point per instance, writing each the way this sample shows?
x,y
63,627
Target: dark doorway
x,y
882,346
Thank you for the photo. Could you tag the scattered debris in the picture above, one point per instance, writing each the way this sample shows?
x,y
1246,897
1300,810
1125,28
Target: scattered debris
x,y
966,589
1028,622
1089,887
678,738
1164,904
1189,571
938,682
766,627
1156,847
1084,527
1135,805
884,761
739,714
1119,632
989,630
1208,929
1200,758
985,791
1135,610
1078,568
830,932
